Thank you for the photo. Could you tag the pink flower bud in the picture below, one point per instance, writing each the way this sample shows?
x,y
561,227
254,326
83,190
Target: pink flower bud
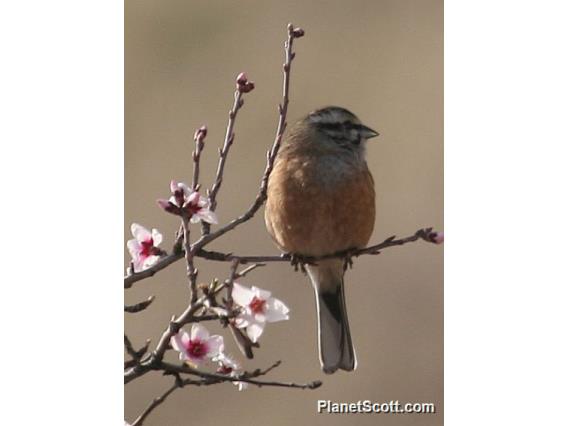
x,y
248,87
169,207
242,78
243,83
437,237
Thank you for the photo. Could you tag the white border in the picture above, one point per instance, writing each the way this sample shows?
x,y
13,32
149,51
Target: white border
x,y
61,172
506,209
61,168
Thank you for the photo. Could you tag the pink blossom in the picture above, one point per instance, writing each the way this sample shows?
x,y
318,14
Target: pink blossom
x,y
259,308
186,202
144,247
228,366
198,346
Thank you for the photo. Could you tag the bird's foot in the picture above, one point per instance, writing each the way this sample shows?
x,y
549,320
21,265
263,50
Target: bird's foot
x,y
348,259
297,261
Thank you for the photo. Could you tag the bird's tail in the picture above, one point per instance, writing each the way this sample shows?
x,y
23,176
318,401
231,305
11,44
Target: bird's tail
x,y
335,346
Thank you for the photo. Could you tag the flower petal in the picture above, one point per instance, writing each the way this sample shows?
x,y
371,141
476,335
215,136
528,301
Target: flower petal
x,y
254,331
139,232
169,206
276,310
228,361
260,293
243,320
138,264
198,332
157,237
241,385
134,248
215,345
186,189
150,261
207,215
203,202
193,198
242,295
179,343
259,317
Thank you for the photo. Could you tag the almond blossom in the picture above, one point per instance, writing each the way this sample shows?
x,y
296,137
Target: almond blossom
x,y
227,365
259,308
198,346
144,247
187,202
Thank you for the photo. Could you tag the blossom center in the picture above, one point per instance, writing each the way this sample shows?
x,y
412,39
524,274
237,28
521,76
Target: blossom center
x,y
224,369
257,305
197,349
147,247
179,197
193,208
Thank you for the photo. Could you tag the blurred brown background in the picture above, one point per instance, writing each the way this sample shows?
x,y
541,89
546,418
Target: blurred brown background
x,y
381,59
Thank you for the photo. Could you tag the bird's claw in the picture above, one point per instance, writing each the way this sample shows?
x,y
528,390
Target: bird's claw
x,y
348,259
298,262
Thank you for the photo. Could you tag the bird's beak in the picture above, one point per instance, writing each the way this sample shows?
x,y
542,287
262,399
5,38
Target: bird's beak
x,y
368,133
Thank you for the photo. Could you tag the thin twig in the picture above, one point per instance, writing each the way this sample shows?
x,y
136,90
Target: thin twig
x,y
140,306
248,269
224,152
188,252
230,281
129,348
155,402
199,138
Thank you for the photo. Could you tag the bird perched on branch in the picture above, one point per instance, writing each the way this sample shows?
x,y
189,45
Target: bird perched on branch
x,y
321,200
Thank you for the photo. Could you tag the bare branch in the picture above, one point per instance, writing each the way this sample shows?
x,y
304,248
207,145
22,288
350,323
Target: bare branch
x,y
243,86
247,377
426,234
224,152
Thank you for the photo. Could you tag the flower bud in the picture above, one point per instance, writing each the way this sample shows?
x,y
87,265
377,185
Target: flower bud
x,y
437,237
168,206
298,32
243,83
200,133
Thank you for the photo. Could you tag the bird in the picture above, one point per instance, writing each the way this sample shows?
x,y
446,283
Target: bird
x,y
321,201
